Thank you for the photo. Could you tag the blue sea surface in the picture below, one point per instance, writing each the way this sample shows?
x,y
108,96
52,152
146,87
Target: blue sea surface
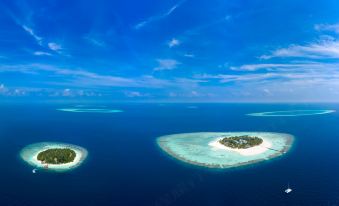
x,y
126,167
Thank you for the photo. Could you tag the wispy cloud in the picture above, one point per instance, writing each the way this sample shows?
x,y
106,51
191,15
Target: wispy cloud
x,y
327,27
279,67
28,26
50,45
134,94
174,42
31,32
328,48
2,87
82,78
96,41
42,53
166,64
46,92
189,55
303,73
5,91
158,17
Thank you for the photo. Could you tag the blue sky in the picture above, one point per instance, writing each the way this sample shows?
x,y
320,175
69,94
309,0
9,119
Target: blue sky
x,y
170,50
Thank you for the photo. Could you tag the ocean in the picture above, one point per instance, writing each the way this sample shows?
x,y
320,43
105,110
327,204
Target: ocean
x,y
125,166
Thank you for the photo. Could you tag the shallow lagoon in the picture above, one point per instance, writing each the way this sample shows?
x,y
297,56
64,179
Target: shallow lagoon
x,y
291,113
195,148
90,110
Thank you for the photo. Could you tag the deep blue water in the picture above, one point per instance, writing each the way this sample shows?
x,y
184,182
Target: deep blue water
x,y
125,166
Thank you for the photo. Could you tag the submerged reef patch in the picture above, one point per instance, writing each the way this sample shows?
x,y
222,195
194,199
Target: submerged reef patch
x,y
90,110
291,113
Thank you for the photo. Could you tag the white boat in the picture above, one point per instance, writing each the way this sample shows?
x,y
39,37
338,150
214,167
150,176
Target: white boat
x,y
288,190
34,171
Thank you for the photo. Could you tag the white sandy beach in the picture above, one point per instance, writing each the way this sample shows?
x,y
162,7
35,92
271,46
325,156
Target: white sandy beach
x,y
30,154
263,147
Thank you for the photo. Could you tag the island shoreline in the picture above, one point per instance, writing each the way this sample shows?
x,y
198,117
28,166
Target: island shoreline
x,y
29,154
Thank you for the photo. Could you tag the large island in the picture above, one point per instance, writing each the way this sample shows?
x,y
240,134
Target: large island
x,y
54,156
225,150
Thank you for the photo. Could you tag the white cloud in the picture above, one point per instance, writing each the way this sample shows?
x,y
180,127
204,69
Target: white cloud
x,y
54,46
255,67
10,91
158,17
327,48
66,93
280,67
174,42
267,91
327,27
195,93
320,84
31,32
135,94
189,55
320,73
166,64
2,87
42,53
95,40
51,45
82,78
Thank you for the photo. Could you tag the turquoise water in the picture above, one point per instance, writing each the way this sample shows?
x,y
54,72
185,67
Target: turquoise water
x,y
291,113
194,148
90,110
125,165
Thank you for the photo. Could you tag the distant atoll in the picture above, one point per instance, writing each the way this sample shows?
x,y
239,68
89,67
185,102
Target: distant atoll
x,y
225,150
89,110
53,155
291,113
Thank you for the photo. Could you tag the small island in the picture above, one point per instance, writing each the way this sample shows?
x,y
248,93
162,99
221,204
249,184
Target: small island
x,y
53,156
241,142
57,156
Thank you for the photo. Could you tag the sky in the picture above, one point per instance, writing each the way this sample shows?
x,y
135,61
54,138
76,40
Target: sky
x,y
170,50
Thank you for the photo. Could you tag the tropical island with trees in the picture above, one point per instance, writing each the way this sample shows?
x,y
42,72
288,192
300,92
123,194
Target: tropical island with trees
x,y
54,156
57,156
241,142
225,149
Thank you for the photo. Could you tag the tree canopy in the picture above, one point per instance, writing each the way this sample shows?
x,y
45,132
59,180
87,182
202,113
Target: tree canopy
x,y
57,156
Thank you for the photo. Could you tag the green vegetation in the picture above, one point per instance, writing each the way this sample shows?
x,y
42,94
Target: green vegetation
x,y
241,142
57,156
